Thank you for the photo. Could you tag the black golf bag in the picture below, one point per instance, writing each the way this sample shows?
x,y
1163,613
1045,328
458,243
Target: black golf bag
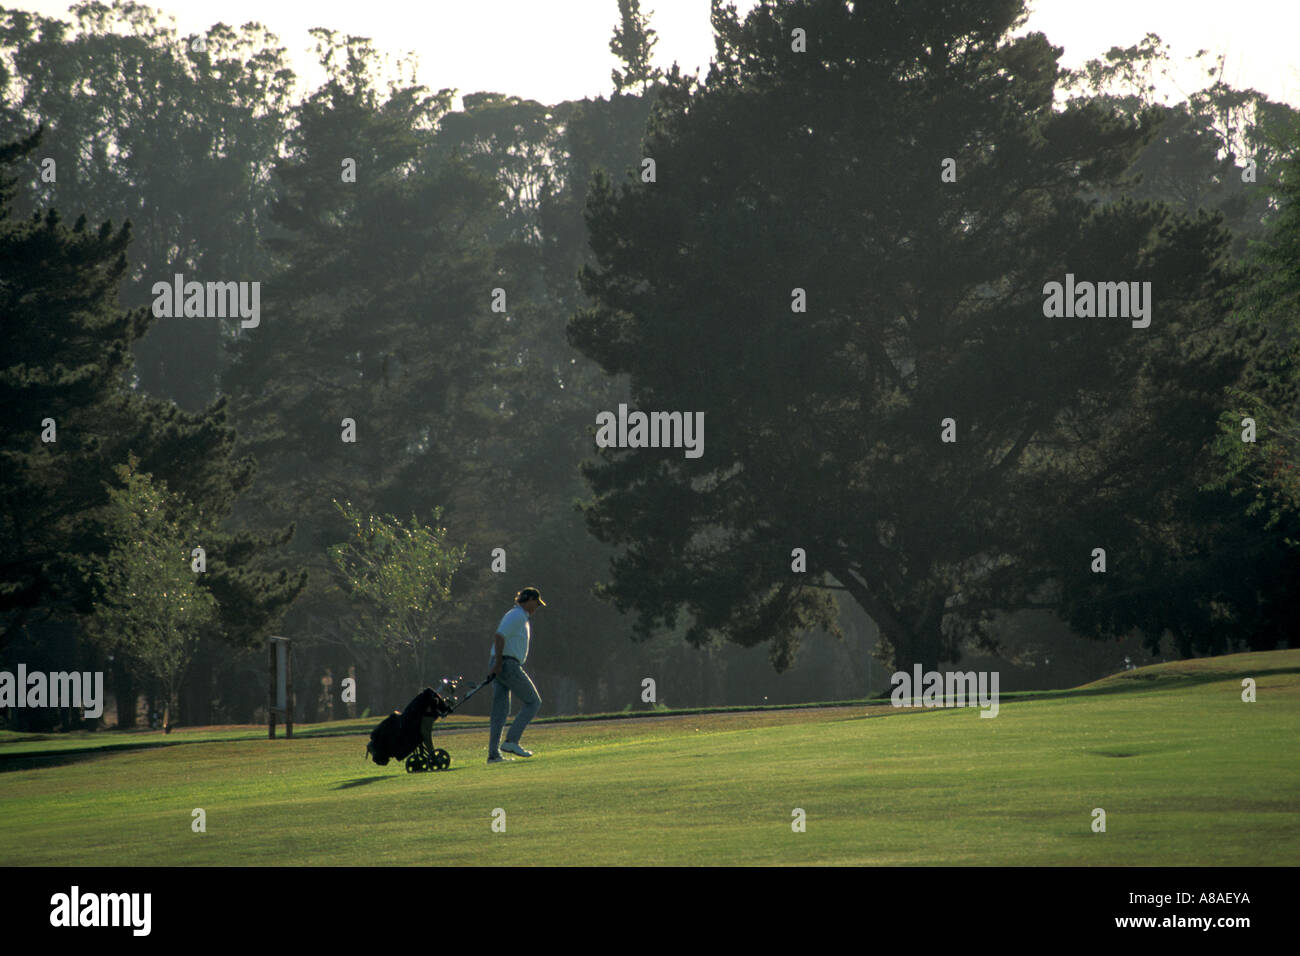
x,y
404,735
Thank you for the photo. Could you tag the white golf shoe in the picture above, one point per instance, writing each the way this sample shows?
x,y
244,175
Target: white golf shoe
x,y
514,748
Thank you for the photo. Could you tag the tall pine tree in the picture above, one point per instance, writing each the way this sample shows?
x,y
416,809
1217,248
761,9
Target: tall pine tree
x,y
65,380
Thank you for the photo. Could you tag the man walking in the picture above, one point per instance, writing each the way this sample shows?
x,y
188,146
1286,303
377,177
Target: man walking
x,y
509,651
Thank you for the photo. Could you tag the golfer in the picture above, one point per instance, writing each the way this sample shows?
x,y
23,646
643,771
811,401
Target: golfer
x,y
509,651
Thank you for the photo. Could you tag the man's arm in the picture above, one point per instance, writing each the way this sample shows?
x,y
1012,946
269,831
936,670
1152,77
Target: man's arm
x,y
498,649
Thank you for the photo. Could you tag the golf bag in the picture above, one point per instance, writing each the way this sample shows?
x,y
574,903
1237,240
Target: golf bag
x,y
401,734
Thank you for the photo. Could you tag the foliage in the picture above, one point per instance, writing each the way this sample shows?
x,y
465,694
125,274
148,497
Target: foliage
x,y
633,42
152,607
401,576
822,172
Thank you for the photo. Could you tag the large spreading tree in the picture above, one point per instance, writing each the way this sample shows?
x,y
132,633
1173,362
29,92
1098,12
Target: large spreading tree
x,y
846,244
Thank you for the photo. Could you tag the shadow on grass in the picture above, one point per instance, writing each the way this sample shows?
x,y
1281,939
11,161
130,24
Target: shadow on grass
x,y
42,761
362,781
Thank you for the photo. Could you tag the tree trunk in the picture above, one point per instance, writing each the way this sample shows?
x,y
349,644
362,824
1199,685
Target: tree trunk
x,y
917,644
124,690
914,633
169,709
198,702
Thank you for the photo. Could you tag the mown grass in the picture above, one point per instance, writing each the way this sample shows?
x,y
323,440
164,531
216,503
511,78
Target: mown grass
x,y
1187,773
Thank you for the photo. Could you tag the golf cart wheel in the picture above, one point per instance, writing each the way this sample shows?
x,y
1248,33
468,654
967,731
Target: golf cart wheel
x,y
417,763
441,760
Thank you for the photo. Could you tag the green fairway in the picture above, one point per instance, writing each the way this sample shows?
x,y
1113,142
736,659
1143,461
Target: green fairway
x,y
1187,773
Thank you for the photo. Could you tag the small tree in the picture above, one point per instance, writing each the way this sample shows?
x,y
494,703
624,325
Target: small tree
x,y
152,607
402,576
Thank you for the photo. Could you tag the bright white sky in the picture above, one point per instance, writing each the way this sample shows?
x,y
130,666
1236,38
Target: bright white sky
x,y
553,50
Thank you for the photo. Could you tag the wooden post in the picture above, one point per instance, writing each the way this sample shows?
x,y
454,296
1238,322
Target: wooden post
x,y
288,688
274,704
270,690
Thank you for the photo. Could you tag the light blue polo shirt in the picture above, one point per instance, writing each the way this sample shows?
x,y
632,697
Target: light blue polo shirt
x,y
515,628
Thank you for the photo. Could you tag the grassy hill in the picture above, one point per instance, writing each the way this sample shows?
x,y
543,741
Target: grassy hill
x,y
1187,773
